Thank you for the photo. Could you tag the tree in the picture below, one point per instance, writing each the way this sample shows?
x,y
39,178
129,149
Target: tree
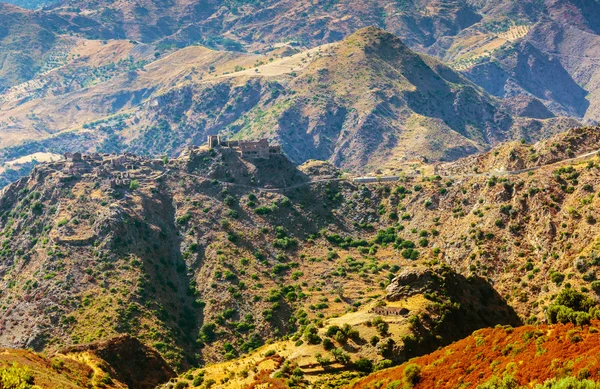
x,y
340,356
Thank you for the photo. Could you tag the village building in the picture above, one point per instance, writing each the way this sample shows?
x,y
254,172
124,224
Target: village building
x,y
248,148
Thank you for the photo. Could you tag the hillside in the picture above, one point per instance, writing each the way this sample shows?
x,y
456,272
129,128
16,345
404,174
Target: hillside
x,y
119,363
540,56
423,309
520,156
558,355
357,103
208,256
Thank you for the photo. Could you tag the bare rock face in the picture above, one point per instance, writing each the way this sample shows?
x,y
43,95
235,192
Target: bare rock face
x,y
130,361
412,281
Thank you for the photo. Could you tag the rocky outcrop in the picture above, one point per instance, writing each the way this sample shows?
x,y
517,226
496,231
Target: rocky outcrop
x,y
129,361
413,281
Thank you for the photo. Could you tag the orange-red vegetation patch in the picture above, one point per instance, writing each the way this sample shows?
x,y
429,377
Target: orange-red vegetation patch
x,y
531,354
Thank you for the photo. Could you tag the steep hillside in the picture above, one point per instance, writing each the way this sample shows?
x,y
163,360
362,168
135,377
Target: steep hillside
x,y
423,309
208,256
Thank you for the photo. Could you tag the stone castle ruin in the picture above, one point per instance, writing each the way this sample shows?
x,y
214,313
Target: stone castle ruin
x,y
247,148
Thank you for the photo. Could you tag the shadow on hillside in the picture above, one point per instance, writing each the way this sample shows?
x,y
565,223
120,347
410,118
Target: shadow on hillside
x,y
471,304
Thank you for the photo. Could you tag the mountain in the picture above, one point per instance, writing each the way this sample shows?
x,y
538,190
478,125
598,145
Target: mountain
x,y
103,62
157,260
357,103
33,43
499,44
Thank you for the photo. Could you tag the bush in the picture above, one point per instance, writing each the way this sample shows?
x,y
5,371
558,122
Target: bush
x,y
571,306
208,332
16,377
340,356
363,364
285,243
384,364
374,340
262,210
557,277
340,337
332,330
411,254
575,300
181,385
412,374
198,380
310,335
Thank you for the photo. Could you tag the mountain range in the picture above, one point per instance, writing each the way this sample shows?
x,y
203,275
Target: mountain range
x,y
134,254
450,78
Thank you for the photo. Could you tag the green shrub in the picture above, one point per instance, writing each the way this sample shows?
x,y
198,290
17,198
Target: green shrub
x,y
181,385
384,364
363,364
340,356
208,332
198,380
557,277
412,374
310,335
